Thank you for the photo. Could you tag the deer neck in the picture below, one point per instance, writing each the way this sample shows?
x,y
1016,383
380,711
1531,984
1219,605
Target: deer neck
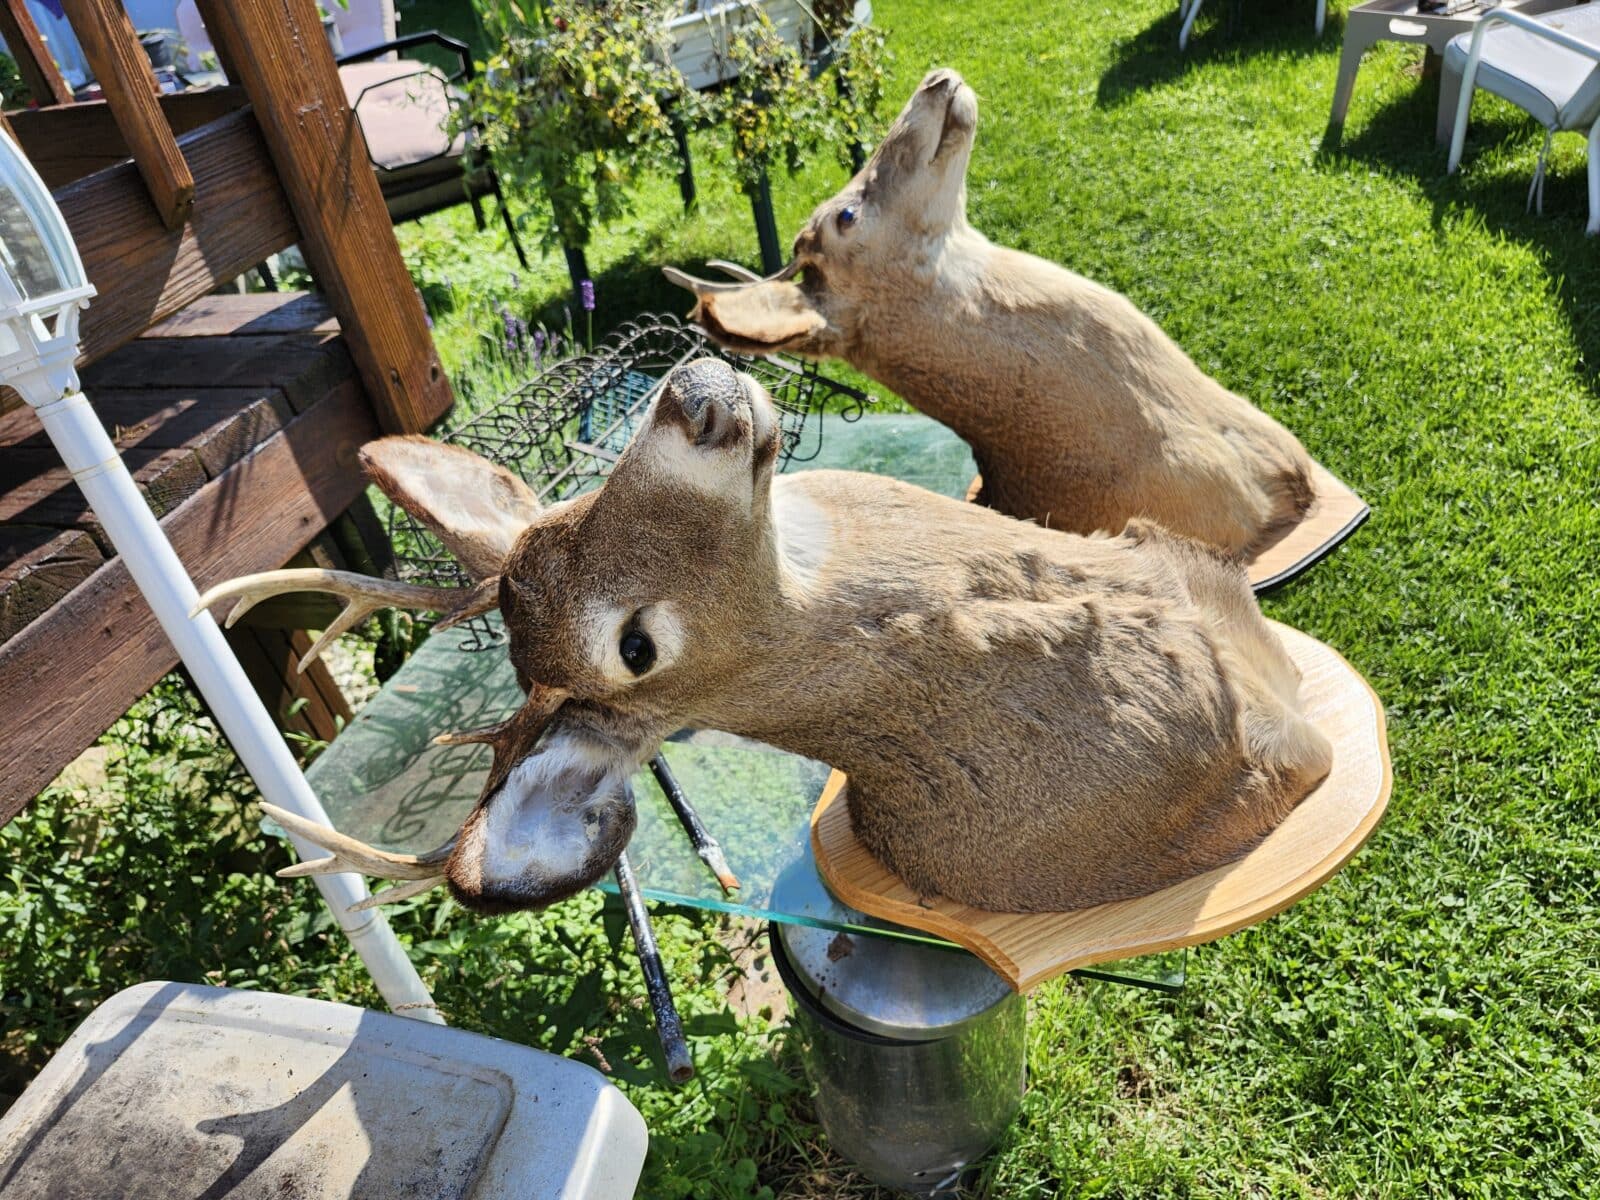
x,y
977,335
941,333
810,675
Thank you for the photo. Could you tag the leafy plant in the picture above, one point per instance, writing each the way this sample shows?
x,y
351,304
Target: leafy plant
x,y
574,103
776,110
860,67
781,105
14,92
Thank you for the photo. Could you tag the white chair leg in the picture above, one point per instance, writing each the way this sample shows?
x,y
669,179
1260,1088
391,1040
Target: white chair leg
x,y
1458,135
1594,179
1188,24
1322,15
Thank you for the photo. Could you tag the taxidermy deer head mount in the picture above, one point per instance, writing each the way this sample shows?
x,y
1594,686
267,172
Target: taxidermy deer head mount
x,y
1080,411
1030,720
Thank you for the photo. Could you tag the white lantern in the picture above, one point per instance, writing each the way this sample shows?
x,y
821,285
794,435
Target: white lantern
x,y
42,285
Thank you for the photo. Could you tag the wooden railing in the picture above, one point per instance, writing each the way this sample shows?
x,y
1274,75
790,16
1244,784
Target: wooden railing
x,y
169,197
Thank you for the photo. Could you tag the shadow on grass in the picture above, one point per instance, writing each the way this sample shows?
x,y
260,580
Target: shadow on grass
x,y
1399,139
1227,30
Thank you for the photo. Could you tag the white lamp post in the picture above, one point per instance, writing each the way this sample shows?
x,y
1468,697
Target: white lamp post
x,y
42,288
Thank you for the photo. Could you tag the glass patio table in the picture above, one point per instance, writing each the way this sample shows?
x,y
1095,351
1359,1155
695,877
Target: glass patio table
x,y
383,781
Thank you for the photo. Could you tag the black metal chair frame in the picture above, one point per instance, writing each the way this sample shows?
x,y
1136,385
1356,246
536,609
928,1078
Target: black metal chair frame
x,y
464,71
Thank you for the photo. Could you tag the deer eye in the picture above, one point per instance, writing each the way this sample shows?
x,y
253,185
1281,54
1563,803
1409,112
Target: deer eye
x,y
846,218
638,651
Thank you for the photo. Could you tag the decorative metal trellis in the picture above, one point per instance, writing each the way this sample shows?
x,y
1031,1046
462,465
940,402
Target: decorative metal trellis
x,y
564,429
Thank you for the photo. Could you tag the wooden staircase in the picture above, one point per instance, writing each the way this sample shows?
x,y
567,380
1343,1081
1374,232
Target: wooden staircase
x,y
238,414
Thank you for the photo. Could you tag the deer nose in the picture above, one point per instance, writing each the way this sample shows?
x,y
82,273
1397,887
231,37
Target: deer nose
x,y
705,398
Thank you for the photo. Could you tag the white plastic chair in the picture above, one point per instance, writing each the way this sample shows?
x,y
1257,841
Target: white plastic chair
x,y
1188,10
1548,66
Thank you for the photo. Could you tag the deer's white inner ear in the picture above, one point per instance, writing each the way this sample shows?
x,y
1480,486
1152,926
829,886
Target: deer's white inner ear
x,y
476,507
554,826
763,415
804,530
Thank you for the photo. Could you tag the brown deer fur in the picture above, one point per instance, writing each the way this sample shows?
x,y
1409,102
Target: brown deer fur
x,y
1081,413
1030,720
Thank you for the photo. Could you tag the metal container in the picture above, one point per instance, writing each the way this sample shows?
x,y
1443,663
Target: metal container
x,y
915,1053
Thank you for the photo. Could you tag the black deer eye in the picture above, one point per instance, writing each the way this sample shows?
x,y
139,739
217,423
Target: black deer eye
x,y
638,651
846,218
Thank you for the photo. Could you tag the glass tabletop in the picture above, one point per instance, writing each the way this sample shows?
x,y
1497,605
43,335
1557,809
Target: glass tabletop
x,y
383,781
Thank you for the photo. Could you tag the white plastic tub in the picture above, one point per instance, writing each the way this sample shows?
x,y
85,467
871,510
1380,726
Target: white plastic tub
x,y
171,1091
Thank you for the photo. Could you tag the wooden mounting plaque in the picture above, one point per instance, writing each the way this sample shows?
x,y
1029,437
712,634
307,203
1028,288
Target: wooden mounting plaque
x,y
1313,842
1335,514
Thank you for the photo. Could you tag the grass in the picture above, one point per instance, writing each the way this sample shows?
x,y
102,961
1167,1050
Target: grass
x,y
1426,1023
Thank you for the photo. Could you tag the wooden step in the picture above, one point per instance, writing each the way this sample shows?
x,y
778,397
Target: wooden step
x,y
241,421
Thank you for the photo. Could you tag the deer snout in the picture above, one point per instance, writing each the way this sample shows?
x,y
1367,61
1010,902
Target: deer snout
x,y
707,398
942,80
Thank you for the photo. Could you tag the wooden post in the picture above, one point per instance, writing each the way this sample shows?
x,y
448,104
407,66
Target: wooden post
x,y
281,56
38,69
123,69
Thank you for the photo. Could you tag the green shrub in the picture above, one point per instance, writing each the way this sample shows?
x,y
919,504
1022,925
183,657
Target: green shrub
x,y
574,102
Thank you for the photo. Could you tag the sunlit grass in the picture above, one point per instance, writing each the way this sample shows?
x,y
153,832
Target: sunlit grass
x,y
1425,1024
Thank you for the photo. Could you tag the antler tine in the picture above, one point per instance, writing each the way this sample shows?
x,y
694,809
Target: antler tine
x,y
350,855
737,270
695,284
744,276
481,597
489,735
363,595
397,893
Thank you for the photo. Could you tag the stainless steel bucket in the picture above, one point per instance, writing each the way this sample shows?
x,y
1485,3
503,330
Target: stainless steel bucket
x,y
916,1053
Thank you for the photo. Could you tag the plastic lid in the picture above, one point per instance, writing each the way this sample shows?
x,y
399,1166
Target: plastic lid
x,y
889,987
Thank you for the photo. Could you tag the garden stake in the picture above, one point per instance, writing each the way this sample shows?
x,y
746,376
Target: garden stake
x,y
669,1028
706,846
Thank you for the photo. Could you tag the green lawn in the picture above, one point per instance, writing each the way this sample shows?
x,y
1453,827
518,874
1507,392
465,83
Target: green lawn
x,y
1424,1025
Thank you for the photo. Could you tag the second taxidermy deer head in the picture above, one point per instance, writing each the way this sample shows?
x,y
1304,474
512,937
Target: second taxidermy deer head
x,y
1080,411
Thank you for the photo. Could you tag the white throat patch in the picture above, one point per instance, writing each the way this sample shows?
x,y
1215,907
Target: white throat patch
x,y
805,532
534,828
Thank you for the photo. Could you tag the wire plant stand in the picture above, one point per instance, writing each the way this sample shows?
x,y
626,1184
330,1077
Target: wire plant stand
x,y
565,428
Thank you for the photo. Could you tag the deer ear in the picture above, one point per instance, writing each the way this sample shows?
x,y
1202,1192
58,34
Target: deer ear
x,y
475,507
762,317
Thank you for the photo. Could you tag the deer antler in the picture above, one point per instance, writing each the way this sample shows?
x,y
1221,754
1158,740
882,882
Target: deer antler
x,y
363,596
510,739
736,270
420,872
744,275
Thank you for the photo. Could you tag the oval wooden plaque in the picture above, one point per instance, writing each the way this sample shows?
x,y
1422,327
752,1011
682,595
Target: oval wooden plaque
x,y
1313,842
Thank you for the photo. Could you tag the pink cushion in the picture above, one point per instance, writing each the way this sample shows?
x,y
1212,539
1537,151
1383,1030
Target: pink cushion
x,y
404,108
